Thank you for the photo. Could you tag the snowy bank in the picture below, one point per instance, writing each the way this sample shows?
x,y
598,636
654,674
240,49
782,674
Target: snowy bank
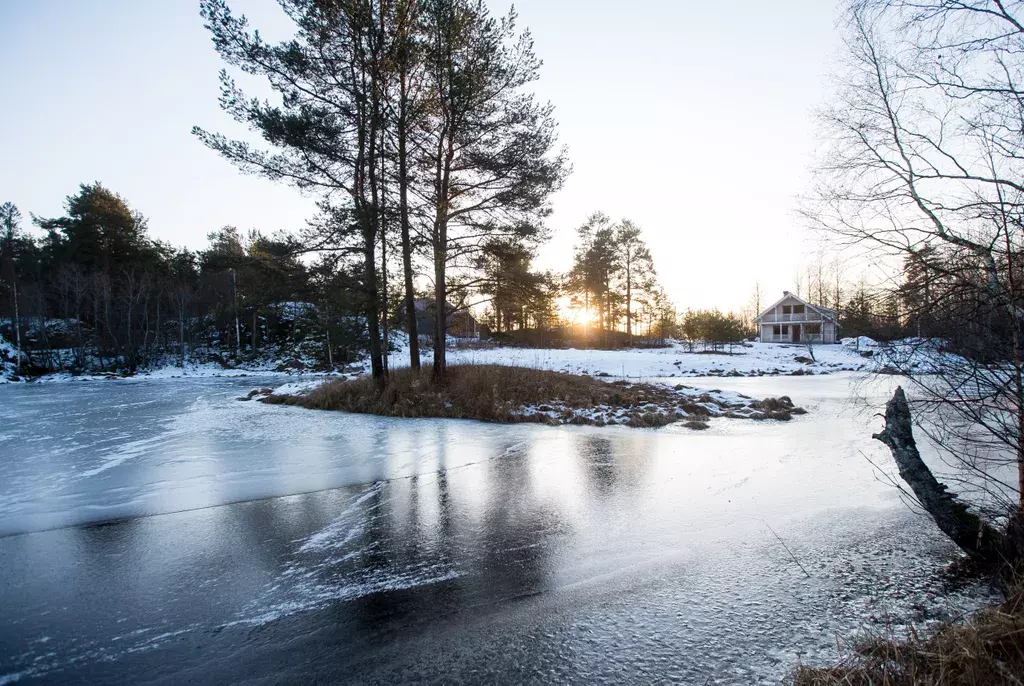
x,y
675,361
751,359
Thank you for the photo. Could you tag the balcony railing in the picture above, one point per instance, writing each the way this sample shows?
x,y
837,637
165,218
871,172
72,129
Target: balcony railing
x,y
788,338
802,317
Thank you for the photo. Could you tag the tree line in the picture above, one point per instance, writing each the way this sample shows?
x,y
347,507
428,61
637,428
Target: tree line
x,y
613,282
93,291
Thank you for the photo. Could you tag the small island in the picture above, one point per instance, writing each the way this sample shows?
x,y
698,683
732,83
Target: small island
x,y
508,394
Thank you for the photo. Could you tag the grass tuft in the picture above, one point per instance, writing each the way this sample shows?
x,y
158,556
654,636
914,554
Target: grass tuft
x,y
986,649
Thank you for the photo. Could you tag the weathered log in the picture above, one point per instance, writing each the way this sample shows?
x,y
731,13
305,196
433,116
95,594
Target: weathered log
x,y
965,529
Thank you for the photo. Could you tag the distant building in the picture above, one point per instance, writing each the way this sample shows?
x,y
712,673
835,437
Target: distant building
x,y
793,320
459,323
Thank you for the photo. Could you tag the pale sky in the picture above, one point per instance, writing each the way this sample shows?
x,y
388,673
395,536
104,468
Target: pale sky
x,y
693,119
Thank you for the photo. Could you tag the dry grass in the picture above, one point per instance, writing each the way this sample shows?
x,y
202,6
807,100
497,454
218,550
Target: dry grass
x,y
499,393
489,392
986,649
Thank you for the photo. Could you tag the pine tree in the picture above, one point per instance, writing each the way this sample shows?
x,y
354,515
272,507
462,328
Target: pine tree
x,y
636,265
10,221
327,132
488,145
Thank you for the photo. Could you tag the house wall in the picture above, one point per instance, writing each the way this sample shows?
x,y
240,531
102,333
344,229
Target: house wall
x,y
828,333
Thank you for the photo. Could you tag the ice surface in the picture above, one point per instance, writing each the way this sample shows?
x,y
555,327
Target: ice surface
x,y
577,554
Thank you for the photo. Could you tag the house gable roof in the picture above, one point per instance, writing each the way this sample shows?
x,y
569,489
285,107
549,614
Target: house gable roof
x,y
825,312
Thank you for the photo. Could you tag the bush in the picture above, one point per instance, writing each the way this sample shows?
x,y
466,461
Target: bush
x,y
711,329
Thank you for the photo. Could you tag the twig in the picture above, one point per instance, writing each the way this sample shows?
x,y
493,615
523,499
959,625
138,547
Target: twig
x,y
787,549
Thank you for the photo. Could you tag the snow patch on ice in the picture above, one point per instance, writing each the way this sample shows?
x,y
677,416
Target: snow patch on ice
x,y
325,567
340,531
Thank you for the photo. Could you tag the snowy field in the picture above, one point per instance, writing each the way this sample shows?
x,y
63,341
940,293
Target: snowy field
x,y
753,359
675,361
238,537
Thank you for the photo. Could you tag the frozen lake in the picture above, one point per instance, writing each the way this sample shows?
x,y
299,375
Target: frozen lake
x,y
161,531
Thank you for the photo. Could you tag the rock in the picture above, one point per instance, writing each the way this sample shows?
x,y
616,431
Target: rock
x,y
256,392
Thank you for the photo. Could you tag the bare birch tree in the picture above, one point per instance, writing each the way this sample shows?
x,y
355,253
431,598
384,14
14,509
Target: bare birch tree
x,y
927,166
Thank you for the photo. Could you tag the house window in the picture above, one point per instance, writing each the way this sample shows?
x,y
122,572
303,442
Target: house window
x,y
776,330
812,328
787,309
785,329
798,309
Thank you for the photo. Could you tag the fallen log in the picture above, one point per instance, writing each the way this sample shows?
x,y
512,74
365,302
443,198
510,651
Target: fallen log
x,y
968,531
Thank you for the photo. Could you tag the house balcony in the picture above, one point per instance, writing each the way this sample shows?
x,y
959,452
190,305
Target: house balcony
x,y
802,317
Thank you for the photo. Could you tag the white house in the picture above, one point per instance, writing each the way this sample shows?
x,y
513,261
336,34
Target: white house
x,y
793,320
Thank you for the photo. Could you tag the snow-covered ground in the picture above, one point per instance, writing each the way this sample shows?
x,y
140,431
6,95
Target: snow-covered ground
x,y
749,359
752,359
8,359
207,370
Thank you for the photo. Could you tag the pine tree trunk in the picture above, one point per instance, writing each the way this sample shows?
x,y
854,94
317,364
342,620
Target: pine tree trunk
x,y
373,313
384,266
372,219
330,354
181,334
17,320
156,336
411,326
586,317
442,185
234,306
629,299
440,303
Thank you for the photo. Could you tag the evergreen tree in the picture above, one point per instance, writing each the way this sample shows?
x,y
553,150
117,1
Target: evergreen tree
x,y
327,132
595,263
636,265
409,109
100,232
488,145
10,223
516,293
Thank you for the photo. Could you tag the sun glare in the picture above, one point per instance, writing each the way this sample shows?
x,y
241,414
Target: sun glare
x,y
573,313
